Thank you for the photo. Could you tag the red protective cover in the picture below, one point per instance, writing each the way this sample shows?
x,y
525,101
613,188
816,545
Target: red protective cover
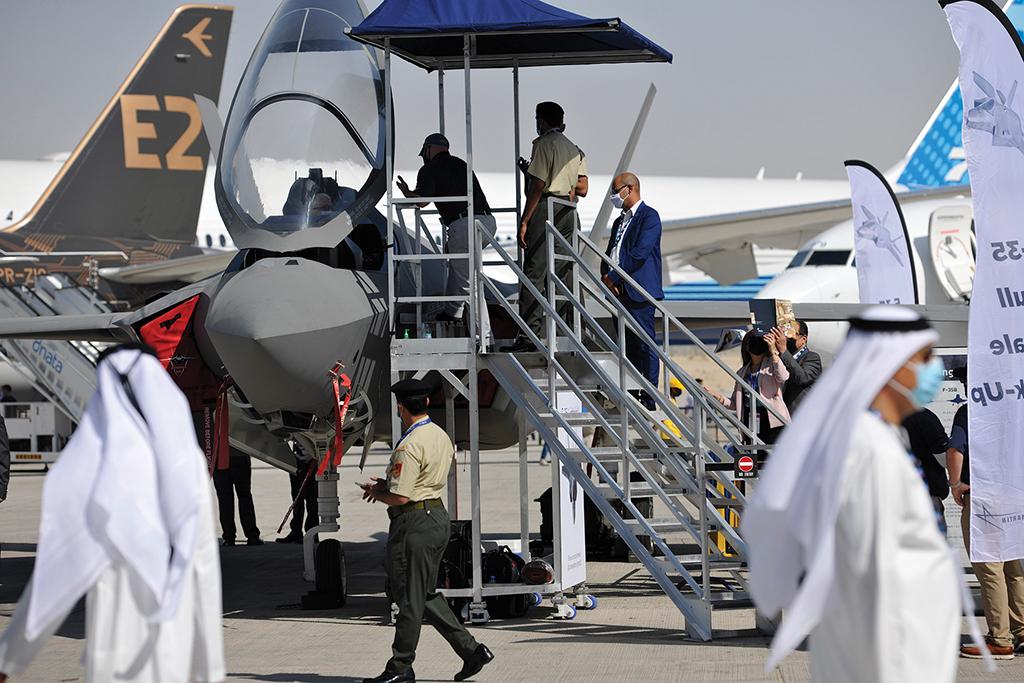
x,y
171,336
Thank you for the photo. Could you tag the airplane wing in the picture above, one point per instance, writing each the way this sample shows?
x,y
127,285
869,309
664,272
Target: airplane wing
x,y
185,269
101,327
722,245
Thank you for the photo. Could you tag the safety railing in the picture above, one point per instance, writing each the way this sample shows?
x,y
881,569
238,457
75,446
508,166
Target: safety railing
x,y
632,414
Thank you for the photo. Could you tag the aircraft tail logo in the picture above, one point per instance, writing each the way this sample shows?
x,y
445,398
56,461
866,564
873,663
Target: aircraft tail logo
x,y
139,171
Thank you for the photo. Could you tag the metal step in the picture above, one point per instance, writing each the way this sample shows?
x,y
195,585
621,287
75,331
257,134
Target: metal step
x,y
572,419
637,490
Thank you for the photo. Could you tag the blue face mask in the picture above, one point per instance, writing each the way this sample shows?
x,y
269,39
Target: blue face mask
x,y
929,380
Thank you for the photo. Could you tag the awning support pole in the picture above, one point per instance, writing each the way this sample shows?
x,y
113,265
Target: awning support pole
x,y
518,153
440,100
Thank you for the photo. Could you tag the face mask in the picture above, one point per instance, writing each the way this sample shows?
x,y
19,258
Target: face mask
x,y
791,345
617,200
929,380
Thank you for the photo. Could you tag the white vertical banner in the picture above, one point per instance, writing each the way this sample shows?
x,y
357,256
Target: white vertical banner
x,y
991,72
573,556
885,260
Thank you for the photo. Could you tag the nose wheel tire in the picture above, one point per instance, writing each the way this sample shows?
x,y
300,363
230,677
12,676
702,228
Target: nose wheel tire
x,y
331,577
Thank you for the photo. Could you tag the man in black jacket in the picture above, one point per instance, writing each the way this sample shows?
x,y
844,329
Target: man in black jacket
x,y
928,438
803,364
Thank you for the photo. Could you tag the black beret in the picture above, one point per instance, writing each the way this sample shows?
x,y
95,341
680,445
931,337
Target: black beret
x,y
411,389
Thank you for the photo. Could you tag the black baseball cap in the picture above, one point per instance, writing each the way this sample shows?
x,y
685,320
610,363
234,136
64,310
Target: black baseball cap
x,y
434,139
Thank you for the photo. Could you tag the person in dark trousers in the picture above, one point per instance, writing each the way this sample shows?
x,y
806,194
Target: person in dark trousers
x,y
558,169
928,438
635,246
305,473
5,460
803,364
238,475
417,537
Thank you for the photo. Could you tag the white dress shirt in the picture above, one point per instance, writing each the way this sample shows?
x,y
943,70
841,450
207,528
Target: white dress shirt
x,y
622,230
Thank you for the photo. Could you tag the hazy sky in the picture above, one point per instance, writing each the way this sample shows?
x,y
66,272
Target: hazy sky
x,y
792,85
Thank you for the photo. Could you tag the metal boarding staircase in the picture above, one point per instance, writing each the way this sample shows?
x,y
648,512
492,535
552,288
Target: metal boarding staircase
x,y
64,372
691,474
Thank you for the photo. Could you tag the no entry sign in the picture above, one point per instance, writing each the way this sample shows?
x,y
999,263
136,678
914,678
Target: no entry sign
x,y
746,467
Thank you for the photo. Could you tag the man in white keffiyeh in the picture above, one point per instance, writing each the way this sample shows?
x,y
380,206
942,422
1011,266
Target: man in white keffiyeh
x,y
127,521
841,532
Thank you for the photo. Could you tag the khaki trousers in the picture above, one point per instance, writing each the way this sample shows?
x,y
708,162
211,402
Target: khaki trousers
x,y
1002,590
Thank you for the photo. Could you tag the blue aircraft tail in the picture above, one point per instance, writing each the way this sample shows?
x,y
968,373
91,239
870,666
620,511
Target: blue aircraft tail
x,y
937,156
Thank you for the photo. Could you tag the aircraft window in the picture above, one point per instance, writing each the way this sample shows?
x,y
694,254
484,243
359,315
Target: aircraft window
x,y
223,241
828,257
309,142
209,240
798,259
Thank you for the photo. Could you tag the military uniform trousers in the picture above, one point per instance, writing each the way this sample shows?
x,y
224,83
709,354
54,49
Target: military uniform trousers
x,y
416,543
535,264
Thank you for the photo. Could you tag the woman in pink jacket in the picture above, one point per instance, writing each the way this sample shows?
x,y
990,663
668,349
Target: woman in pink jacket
x,y
763,370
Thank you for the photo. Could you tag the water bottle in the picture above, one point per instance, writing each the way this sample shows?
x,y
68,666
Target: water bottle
x,y
427,333
406,335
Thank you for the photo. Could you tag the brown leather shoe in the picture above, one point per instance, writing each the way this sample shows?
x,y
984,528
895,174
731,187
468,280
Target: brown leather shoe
x,y
997,651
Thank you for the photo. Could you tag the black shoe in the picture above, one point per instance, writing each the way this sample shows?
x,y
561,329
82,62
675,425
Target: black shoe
x,y
481,656
227,542
520,345
406,676
254,541
446,317
293,537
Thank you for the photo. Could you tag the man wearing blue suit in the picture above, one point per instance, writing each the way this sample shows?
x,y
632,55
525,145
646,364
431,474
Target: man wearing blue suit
x,y
635,245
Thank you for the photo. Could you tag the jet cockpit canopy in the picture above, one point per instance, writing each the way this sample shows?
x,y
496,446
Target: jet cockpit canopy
x,y
302,158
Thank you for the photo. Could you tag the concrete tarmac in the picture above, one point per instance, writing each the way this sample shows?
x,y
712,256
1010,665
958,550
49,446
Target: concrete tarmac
x,y
635,634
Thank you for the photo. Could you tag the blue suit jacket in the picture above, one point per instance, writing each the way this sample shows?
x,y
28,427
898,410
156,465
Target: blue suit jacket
x,y
640,254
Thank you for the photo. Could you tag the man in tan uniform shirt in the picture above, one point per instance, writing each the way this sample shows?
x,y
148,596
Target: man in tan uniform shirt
x,y
417,537
558,168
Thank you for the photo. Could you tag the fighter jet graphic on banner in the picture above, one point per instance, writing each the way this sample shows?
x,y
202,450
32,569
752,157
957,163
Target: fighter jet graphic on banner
x,y
873,230
994,114
878,240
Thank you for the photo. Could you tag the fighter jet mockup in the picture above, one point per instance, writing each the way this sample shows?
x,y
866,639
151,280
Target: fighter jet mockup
x,y
300,171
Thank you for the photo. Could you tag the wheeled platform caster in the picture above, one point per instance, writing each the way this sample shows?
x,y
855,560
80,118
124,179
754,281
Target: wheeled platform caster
x,y
536,599
565,612
475,614
586,602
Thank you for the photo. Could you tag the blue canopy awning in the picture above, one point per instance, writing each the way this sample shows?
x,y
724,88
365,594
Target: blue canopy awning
x,y
429,33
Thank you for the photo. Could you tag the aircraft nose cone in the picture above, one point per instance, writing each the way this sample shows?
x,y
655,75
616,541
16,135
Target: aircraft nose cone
x,y
282,323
